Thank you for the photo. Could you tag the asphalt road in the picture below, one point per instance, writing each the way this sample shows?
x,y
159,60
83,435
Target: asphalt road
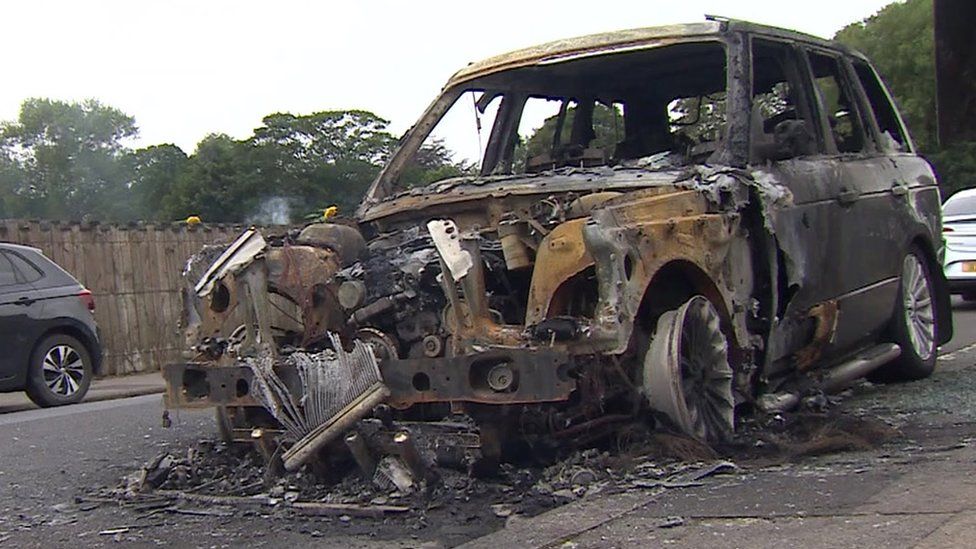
x,y
49,457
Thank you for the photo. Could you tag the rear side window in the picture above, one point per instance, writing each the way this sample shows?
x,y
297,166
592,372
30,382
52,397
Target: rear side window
x,y
837,102
24,268
14,269
893,137
8,276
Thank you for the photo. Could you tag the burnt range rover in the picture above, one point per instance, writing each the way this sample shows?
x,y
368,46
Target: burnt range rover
x,y
713,216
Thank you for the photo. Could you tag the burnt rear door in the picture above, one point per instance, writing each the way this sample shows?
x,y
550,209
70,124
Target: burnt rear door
x,y
868,208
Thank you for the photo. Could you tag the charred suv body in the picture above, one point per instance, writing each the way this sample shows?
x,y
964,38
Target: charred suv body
x,y
711,215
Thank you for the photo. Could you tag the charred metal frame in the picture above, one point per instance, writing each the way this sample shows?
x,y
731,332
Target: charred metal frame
x,y
634,244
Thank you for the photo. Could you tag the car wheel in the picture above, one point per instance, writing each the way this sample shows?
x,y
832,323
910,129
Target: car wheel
x,y
686,372
59,372
913,326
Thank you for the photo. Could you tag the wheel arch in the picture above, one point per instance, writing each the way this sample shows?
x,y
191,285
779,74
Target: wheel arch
x,y
82,334
673,284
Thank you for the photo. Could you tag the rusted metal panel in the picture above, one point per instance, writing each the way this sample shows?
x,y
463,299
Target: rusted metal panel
x,y
203,385
562,254
537,375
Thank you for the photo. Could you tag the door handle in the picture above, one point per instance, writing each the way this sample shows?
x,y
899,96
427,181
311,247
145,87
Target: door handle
x,y
24,301
899,189
848,196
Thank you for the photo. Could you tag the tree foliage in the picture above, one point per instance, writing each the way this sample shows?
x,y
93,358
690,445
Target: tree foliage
x,y
63,160
899,40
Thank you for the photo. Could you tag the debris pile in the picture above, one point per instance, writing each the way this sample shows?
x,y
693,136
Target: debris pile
x,y
217,478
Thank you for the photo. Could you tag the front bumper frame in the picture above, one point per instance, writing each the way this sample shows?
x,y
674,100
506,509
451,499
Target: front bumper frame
x,y
538,376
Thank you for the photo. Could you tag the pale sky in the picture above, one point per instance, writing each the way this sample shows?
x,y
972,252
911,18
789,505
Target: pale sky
x,y
184,69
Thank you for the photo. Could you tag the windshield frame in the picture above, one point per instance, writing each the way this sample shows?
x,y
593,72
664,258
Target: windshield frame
x,y
382,188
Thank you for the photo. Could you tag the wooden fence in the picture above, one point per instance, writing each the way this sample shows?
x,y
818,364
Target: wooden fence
x,y
134,273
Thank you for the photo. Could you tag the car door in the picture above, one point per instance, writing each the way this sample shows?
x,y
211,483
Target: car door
x,y
909,180
787,145
17,311
867,211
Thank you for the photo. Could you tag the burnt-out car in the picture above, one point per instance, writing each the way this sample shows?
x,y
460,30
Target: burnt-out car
x,y
712,216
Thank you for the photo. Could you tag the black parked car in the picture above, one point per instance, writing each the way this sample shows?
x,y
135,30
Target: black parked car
x,y
48,339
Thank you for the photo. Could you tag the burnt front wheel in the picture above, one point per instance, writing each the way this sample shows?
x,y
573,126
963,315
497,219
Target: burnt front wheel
x,y
687,374
913,325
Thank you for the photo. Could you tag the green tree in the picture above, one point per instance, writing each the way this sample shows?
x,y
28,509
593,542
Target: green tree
x,y
432,162
153,173
64,160
331,157
13,179
899,40
328,136
218,183
320,159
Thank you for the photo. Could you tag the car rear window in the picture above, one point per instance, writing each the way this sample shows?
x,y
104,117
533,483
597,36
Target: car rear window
x,y
960,205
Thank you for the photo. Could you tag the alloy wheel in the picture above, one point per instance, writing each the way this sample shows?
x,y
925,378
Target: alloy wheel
x,y
918,307
687,374
63,370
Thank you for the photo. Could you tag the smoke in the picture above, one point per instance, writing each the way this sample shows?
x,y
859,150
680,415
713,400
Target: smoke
x,y
272,211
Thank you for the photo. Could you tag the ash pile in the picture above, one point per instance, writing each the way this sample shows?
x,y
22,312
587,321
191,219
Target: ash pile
x,y
216,478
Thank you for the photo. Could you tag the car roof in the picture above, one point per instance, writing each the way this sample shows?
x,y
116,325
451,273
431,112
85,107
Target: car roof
x,y
20,247
965,193
596,44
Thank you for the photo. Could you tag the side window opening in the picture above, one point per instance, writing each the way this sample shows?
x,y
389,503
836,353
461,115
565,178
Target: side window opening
x,y
838,103
559,132
781,125
24,269
8,274
893,137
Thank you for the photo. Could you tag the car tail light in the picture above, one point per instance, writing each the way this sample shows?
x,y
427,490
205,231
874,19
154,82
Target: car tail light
x,y
947,229
88,299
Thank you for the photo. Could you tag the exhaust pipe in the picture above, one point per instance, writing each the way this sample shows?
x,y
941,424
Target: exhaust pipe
x,y
841,376
837,378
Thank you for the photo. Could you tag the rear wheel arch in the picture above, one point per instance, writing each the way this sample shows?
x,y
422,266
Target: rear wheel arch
x,y
86,339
